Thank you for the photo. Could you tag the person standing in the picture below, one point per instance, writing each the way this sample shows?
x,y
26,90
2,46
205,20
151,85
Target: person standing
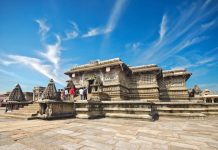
x,y
66,94
72,93
85,93
81,93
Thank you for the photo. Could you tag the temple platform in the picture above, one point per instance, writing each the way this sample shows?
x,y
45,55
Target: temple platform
x,y
83,109
142,109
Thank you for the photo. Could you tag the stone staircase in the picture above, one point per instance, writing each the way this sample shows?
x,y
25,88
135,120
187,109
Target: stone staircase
x,y
186,109
27,112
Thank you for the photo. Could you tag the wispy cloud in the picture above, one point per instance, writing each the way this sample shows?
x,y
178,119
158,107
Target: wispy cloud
x,y
43,28
112,21
209,24
96,31
52,52
185,30
163,27
35,64
196,61
133,46
9,73
6,62
73,33
116,14
49,62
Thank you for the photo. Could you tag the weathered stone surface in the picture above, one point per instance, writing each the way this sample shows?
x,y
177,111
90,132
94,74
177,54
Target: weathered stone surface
x,y
171,133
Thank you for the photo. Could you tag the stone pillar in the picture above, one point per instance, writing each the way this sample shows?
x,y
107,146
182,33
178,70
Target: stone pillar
x,y
212,100
33,96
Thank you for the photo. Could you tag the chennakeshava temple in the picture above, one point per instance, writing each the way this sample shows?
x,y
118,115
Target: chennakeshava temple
x,y
114,80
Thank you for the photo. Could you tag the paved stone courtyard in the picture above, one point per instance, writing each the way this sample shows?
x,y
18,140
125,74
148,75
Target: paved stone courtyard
x,y
108,134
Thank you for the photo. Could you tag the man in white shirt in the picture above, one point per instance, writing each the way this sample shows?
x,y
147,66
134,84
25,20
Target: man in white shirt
x,y
81,93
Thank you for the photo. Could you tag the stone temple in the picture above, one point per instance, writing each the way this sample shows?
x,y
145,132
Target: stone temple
x,y
114,80
117,90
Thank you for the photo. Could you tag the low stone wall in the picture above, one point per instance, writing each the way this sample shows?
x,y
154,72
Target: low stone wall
x,y
50,109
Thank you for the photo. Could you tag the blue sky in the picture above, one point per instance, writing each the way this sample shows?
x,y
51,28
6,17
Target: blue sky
x,y
42,39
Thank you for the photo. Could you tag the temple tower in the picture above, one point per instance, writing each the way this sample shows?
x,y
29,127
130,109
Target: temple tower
x,y
50,92
17,94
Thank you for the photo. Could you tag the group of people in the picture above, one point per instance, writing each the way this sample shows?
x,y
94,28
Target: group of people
x,y
73,92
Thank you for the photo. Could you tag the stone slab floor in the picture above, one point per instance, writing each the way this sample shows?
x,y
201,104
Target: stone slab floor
x,y
109,133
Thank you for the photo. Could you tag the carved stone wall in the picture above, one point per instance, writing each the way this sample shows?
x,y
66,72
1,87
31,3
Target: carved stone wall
x,y
143,86
173,88
111,78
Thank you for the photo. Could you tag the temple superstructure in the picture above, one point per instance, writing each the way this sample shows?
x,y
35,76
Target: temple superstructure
x,y
114,80
17,94
50,91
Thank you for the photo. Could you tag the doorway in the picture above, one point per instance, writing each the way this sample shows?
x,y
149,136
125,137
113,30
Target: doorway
x,y
91,81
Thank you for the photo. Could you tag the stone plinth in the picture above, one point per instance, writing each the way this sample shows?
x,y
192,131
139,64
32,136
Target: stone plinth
x,y
141,109
50,109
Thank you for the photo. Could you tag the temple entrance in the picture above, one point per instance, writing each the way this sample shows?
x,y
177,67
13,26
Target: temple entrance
x,y
90,82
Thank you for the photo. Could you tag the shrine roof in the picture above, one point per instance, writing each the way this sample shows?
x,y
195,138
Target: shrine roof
x,y
144,68
96,65
177,72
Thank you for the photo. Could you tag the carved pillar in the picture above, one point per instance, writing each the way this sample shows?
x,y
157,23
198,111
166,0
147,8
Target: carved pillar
x,y
212,100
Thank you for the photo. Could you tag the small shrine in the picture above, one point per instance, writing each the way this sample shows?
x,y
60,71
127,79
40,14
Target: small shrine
x,y
51,105
16,99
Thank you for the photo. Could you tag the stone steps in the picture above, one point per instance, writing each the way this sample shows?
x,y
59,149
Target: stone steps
x,y
196,115
211,113
8,115
2,108
22,113
187,109
27,112
132,116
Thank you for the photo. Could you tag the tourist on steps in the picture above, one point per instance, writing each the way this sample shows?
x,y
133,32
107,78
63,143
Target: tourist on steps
x,y
81,93
85,93
66,94
72,93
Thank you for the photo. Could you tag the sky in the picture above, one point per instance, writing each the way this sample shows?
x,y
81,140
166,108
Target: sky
x,y
42,39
